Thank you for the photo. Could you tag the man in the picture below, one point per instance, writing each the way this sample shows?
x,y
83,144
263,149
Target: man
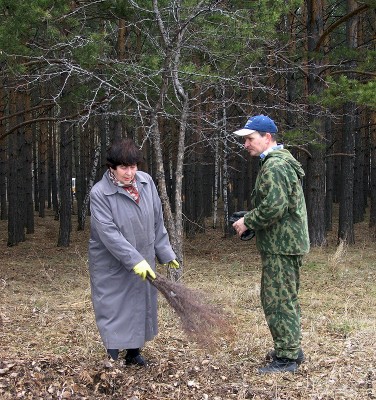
x,y
279,218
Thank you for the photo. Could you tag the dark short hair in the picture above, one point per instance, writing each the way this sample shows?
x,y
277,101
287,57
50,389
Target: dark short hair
x,y
273,135
123,152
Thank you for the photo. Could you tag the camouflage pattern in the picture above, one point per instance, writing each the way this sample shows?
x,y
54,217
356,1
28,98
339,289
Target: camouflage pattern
x,y
279,216
279,299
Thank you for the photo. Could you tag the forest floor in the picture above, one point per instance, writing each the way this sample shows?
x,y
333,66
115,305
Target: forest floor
x,y
50,347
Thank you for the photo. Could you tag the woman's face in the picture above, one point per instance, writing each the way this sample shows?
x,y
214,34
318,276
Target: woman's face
x,y
125,173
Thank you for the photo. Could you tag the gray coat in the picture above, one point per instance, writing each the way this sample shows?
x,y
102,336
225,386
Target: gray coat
x,y
123,233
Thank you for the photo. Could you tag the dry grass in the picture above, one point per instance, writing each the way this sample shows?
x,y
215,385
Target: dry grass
x,y
50,348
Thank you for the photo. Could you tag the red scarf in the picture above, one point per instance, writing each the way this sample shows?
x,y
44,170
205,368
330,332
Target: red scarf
x,y
133,191
131,187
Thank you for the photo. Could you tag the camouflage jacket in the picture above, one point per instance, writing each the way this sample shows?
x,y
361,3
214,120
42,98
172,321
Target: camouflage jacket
x,y
279,216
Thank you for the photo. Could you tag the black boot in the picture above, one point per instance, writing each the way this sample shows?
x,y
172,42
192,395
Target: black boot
x,y
271,356
134,357
280,365
113,353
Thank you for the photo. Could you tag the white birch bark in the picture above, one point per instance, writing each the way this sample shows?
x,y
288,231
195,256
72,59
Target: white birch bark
x,y
90,184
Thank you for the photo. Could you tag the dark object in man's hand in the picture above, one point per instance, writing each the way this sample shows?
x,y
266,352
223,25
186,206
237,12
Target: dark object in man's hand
x,y
249,233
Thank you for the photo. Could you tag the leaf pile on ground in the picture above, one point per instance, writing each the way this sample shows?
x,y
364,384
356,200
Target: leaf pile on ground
x,y
50,347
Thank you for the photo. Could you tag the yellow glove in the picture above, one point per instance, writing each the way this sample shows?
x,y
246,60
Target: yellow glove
x,y
173,264
143,269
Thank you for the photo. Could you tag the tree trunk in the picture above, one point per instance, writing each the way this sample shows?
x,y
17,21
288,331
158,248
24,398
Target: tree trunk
x,y
227,194
216,191
65,185
27,156
372,135
346,212
329,177
16,221
228,201
346,207
53,201
359,176
315,182
42,166
3,160
91,181
3,182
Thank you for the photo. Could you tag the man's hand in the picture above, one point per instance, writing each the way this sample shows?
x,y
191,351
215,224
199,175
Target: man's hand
x,y
239,226
236,216
143,269
237,220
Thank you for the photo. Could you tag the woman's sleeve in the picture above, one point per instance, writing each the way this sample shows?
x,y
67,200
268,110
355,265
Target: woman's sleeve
x,y
109,234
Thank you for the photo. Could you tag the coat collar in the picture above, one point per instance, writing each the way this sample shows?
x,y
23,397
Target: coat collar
x,y
267,151
110,188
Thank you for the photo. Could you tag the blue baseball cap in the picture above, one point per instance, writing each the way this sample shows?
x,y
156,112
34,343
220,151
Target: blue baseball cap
x,y
258,123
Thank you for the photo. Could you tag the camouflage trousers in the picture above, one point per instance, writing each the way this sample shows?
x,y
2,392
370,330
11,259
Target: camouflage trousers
x,y
279,299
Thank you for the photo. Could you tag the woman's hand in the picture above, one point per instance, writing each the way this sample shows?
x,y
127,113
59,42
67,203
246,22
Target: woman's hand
x,y
143,269
173,264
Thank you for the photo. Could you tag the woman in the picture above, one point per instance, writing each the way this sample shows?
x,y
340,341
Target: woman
x,y
127,234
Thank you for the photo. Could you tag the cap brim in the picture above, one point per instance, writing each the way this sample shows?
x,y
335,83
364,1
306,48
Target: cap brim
x,y
244,132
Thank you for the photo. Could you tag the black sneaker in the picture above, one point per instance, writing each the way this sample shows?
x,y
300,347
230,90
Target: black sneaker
x,y
136,360
279,365
271,356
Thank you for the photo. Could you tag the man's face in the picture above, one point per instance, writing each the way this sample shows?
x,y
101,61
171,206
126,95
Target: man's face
x,y
256,144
